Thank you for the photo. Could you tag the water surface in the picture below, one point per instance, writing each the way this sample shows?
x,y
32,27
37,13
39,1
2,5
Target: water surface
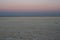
x,y
29,28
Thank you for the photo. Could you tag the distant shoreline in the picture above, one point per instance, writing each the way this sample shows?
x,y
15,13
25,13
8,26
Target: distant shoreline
x,y
29,16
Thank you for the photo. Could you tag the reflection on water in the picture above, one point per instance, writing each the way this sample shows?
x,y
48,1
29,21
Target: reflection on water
x,y
29,28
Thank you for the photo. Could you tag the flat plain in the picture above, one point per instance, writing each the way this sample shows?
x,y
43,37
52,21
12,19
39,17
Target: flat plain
x,y
29,28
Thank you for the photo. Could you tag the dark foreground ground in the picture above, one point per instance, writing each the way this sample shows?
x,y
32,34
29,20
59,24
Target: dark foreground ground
x,y
29,28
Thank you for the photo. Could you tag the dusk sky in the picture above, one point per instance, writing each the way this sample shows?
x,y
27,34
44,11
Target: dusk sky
x,y
29,5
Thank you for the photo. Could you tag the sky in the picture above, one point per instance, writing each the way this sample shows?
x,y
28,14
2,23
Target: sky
x,y
29,5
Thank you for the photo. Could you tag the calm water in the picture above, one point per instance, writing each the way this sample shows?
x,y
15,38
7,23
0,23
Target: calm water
x,y
29,28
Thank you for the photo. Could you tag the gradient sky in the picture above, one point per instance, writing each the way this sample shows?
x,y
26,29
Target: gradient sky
x,y
29,5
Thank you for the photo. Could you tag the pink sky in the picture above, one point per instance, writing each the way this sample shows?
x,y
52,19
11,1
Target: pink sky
x,y
29,5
